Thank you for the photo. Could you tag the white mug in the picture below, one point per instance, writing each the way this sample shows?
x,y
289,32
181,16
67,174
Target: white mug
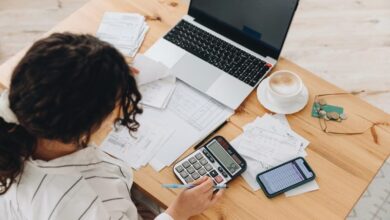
x,y
284,87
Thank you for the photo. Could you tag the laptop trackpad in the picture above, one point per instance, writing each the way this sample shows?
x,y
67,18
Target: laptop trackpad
x,y
196,72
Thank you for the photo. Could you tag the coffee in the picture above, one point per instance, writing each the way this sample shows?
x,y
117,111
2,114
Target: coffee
x,y
284,84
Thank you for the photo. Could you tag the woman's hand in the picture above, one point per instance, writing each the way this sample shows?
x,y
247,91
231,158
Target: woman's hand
x,y
134,71
194,201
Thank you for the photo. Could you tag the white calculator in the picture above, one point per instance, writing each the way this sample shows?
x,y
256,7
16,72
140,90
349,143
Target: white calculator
x,y
216,159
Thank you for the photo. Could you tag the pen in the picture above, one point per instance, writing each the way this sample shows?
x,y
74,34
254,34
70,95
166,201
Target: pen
x,y
189,186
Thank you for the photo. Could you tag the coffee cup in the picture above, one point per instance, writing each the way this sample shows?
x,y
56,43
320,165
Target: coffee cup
x,y
284,87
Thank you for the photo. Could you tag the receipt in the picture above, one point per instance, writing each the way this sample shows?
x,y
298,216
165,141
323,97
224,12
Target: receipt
x,y
267,142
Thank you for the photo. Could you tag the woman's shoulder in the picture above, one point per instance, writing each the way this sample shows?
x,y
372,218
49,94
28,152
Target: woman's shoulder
x,y
56,186
46,192
88,161
54,196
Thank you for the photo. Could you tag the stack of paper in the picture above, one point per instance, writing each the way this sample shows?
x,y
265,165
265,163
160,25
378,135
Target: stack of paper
x,y
269,141
155,82
165,134
137,149
125,31
192,114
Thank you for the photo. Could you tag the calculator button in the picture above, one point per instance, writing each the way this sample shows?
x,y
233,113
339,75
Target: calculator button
x,y
199,156
202,171
213,173
224,174
190,170
188,179
205,151
220,169
218,179
179,168
195,175
203,161
183,174
197,165
186,164
211,159
192,160
208,167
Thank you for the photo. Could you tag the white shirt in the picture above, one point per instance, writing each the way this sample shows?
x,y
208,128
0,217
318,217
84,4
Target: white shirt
x,y
88,184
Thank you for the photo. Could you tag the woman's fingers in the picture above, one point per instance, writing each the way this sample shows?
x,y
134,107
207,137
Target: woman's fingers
x,y
134,70
200,180
203,185
206,186
216,197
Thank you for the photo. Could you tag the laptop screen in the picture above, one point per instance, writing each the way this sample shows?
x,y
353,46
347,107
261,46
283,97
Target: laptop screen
x,y
259,25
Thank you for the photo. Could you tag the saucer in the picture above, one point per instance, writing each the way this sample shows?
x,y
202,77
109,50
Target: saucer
x,y
294,107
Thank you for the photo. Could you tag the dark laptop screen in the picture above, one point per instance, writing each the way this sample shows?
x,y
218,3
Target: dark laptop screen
x,y
260,25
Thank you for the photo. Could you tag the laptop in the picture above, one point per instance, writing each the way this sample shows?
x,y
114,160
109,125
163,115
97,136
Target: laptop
x,y
224,48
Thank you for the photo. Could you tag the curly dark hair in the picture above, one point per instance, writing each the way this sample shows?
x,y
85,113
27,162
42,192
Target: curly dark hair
x,y
63,89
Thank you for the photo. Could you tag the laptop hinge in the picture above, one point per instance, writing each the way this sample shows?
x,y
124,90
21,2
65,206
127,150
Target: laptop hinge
x,y
270,60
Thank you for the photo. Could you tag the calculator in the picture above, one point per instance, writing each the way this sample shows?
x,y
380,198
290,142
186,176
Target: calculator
x,y
216,159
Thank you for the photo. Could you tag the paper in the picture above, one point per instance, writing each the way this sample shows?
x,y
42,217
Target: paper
x,y
266,142
195,108
187,132
139,149
149,69
158,93
269,141
282,119
155,82
125,31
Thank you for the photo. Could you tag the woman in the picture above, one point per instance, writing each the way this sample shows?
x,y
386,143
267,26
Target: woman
x,y
61,92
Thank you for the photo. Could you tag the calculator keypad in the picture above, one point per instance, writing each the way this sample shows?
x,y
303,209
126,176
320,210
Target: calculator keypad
x,y
183,174
203,161
202,171
188,179
190,170
200,164
179,168
195,176
208,167
192,160
199,156
197,165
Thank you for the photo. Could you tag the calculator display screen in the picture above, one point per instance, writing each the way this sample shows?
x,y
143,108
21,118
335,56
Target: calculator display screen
x,y
223,157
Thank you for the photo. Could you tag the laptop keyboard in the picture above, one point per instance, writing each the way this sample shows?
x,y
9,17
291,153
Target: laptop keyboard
x,y
217,52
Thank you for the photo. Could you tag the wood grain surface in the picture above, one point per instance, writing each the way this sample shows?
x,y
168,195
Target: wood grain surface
x,y
344,165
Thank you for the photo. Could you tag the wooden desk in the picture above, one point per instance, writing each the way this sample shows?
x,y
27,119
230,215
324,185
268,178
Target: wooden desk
x,y
344,165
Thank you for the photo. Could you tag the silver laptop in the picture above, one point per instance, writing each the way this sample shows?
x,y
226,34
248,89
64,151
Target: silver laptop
x,y
224,48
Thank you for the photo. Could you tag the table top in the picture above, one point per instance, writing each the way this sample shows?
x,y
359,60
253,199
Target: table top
x,y
344,165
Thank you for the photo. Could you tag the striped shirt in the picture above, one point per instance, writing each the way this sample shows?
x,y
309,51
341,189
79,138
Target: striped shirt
x,y
87,184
